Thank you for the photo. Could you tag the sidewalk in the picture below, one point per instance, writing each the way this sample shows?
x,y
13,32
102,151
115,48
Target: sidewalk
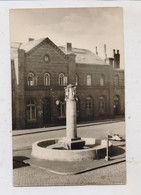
x,y
57,128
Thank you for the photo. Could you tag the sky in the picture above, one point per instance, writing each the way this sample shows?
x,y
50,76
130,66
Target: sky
x,y
84,27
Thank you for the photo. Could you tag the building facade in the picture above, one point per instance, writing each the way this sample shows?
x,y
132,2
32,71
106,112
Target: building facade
x,y
41,70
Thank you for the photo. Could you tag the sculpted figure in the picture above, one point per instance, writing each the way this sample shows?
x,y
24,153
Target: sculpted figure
x,y
70,92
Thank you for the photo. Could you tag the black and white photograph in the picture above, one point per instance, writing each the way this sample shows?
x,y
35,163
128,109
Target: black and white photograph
x,y
68,96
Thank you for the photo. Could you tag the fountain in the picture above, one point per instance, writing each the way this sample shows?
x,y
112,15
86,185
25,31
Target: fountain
x,y
71,147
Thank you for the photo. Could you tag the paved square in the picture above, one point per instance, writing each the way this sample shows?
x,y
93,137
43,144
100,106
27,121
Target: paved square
x,y
24,175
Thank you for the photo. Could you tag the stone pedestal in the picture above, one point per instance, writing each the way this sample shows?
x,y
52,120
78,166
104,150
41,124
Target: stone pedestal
x,y
71,141
72,144
71,131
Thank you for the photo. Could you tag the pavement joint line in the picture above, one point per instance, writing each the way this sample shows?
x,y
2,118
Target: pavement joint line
x,y
79,126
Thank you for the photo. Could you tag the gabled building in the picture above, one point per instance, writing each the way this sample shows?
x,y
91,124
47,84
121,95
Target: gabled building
x,y
41,70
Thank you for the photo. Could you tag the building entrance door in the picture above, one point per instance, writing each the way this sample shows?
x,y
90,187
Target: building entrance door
x,y
46,111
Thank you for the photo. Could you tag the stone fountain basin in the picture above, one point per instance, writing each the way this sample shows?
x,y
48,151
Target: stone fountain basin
x,y
50,149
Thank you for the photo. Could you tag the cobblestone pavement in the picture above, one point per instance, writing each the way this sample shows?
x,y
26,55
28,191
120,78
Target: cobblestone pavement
x,y
31,176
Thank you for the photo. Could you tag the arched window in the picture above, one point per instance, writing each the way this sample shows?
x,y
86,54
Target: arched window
x,y
62,79
102,80
102,105
31,110
30,79
76,80
89,80
46,79
116,81
89,106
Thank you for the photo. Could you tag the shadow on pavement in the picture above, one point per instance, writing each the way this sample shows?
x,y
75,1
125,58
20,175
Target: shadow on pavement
x,y
116,150
18,162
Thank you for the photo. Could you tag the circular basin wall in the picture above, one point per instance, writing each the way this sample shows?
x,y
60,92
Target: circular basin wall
x,y
94,149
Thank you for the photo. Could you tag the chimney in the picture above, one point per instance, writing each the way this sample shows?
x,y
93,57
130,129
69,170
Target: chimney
x,y
116,59
110,61
96,50
68,47
114,52
30,39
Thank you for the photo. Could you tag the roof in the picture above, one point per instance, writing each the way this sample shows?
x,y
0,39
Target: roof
x,y
30,44
83,56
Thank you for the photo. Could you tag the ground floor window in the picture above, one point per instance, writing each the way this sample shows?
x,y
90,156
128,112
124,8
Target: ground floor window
x,y
31,110
101,105
89,106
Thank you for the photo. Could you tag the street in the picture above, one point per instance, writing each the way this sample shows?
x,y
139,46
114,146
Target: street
x,y
35,176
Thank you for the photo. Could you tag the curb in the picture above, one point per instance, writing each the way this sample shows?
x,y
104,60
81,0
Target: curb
x,y
58,129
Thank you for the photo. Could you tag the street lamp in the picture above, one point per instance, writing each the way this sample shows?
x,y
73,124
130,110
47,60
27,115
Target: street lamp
x,y
57,102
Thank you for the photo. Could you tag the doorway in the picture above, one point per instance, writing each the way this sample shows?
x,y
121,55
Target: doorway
x,y
46,111
116,106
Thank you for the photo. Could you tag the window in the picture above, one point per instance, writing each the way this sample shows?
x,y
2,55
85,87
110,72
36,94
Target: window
x,y
116,81
76,80
89,105
46,58
62,108
46,79
31,110
102,105
102,80
89,80
65,80
62,79
30,79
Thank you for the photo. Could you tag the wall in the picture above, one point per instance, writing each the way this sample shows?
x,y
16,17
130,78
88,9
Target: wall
x,y
34,62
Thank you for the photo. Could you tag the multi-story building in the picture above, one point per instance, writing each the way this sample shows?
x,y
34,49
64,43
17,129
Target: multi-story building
x,y
41,70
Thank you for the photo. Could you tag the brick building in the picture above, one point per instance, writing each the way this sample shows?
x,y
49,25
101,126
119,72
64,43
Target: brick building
x,y
41,70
